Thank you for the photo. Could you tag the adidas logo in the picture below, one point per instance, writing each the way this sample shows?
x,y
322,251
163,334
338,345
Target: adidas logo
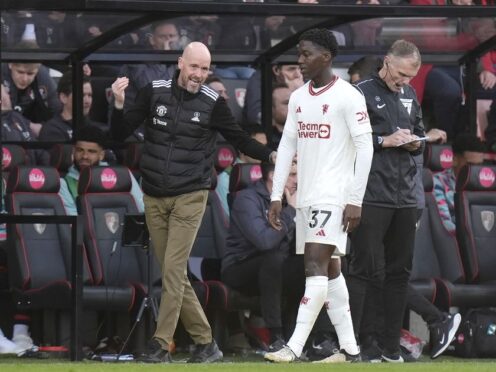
x,y
321,233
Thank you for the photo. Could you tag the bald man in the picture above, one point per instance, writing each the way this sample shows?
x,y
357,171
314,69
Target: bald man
x,y
182,117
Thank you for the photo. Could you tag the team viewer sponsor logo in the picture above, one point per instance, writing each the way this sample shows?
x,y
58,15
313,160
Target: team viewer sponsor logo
x,y
255,173
108,178
446,158
6,158
311,130
36,178
486,177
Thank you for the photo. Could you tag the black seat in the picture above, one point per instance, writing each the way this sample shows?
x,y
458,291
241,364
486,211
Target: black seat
x,y
475,210
439,256
436,259
104,198
438,157
242,175
12,156
225,155
39,254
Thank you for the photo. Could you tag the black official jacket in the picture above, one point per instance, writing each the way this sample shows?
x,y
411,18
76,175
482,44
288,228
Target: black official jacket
x,y
392,175
180,136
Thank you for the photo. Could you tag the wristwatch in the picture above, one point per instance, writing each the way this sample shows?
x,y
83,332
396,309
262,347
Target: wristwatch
x,y
380,140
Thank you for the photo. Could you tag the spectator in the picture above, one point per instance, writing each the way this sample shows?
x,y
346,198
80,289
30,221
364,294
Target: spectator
x,y
256,255
467,149
31,89
280,100
364,67
382,245
164,36
288,74
56,29
15,127
89,150
60,128
202,28
222,189
216,84
339,148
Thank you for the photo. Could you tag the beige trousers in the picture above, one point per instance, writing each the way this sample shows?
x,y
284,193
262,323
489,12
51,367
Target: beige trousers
x,y
173,223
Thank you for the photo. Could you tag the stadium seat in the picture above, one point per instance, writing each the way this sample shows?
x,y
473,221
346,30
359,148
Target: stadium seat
x,y
436,256
242,175
475,209
12,156
224,157
39,282
438,157
104,198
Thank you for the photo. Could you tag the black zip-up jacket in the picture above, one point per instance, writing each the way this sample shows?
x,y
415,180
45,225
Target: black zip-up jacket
x,y
180,136
392,175
39,101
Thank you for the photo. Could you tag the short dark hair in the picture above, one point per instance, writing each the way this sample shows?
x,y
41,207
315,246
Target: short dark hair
x,y
65,83
157,24
212,79
467,142
322,37
365,66
266,169
91,133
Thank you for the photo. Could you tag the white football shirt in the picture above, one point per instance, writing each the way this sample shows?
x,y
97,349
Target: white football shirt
x,y
320,126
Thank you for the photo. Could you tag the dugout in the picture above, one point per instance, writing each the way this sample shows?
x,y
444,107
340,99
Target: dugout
x,y
360,29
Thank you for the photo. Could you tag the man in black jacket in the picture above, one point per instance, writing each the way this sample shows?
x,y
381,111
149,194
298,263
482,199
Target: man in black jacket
x,y
60,128
181,117
382,245
31,89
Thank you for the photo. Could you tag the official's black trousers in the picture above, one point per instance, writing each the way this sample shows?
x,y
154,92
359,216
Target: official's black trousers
x,y
381,257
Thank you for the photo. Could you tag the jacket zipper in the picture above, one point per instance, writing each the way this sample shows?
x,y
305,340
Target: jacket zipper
x,y
173,133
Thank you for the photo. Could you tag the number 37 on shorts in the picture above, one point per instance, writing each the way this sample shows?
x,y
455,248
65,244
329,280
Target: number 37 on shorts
x,y
320,224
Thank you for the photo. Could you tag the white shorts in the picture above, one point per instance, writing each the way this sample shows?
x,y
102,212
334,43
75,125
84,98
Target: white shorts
x,y
320,224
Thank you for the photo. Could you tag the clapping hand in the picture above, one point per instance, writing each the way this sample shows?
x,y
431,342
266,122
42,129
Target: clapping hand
x,y
118,87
